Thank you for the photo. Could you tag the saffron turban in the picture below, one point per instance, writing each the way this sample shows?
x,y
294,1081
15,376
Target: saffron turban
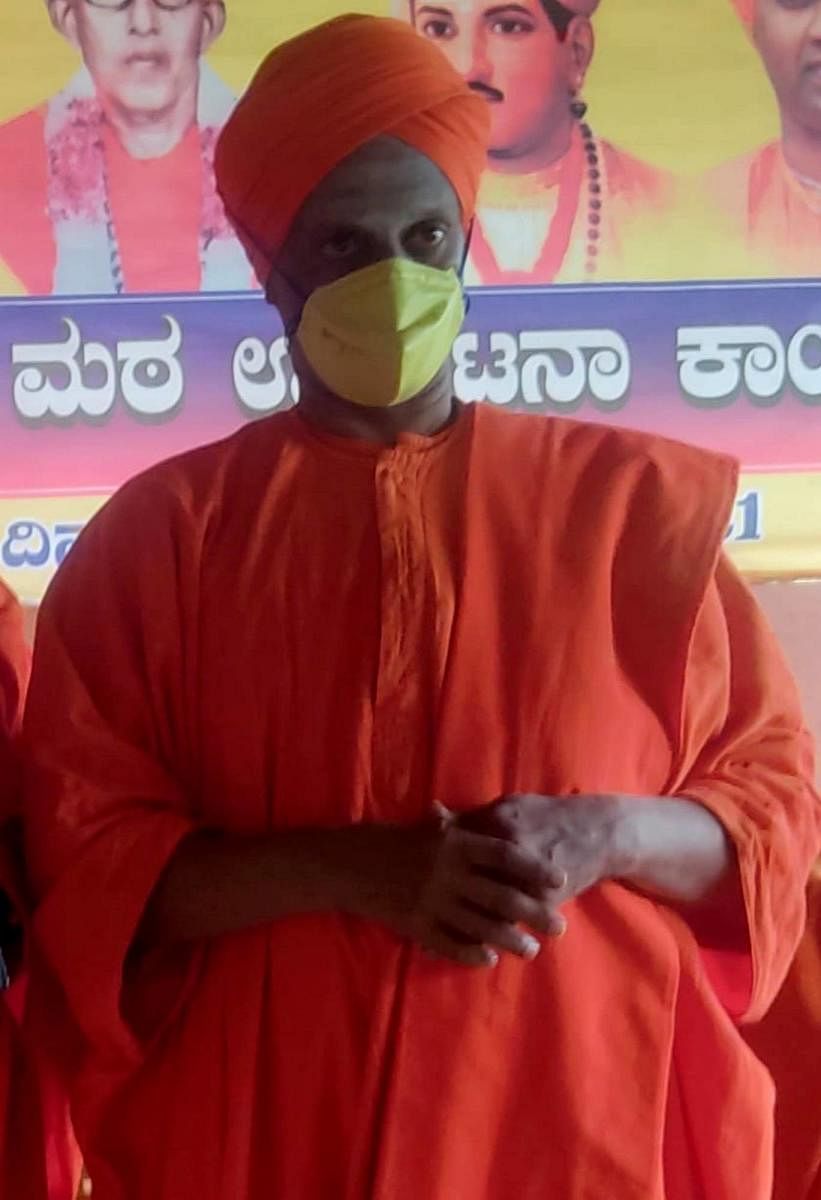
x,y
324,94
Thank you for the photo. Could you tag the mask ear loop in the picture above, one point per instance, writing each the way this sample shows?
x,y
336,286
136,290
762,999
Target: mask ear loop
x,y
462,266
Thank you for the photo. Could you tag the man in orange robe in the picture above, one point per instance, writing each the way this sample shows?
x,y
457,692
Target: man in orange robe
x,y
416,797
773,195
79,209
556,203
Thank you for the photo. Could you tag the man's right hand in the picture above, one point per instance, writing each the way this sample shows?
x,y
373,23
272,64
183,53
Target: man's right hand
x,y
461,895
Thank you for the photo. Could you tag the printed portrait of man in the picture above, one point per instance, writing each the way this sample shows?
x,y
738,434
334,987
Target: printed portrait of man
x,y
772,196
556,199
112,186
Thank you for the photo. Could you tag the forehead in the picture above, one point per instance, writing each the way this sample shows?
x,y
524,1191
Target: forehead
x,y
385,178
465,10
109,15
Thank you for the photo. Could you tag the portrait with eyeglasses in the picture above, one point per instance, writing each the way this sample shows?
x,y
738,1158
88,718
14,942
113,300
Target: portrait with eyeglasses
x,y
119,196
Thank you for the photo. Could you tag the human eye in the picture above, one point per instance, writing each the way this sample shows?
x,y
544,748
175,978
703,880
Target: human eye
x,y
438,29
510,26
426,238
340,243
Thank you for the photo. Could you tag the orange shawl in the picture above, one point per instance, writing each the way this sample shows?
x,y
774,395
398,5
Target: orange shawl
x,y
292,629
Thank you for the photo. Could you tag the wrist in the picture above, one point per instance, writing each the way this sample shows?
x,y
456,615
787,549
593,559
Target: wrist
x,y
348,864
336,870
313,868
627,839
671,848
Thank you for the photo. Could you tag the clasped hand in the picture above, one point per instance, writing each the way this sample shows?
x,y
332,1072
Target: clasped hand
x,y
469,887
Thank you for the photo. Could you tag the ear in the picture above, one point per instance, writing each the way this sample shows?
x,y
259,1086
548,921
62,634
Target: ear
x,y
581,46
64,19
213,26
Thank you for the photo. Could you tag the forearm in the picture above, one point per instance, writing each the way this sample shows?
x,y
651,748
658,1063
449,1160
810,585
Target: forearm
x,y
220,883
675,850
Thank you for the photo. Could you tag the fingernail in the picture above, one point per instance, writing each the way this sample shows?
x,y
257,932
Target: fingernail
x,y
492,959
532,947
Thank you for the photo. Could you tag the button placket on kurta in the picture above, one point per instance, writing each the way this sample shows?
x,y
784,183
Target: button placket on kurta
x,y
399,761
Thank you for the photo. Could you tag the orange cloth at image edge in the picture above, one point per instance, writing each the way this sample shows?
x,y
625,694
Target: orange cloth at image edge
x,y
22,1146
290,629
788,1040
38,1157
353,78
22,1143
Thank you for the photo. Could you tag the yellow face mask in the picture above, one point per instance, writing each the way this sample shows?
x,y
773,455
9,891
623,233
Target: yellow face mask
x,y
379,336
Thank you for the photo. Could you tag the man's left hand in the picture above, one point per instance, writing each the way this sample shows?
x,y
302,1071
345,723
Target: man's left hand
x,y
581,835
670,848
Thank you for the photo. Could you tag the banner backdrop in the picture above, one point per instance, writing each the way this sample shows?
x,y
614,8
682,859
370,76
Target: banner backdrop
x,y
649,263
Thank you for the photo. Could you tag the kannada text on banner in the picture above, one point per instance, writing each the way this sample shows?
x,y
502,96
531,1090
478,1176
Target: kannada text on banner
x,y
100,392
133,330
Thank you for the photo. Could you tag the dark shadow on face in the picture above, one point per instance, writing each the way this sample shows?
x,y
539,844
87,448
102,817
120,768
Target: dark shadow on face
x,y
386,200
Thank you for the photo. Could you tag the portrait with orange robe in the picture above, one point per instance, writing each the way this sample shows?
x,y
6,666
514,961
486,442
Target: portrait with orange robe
x,y
557,203
770,199
108,186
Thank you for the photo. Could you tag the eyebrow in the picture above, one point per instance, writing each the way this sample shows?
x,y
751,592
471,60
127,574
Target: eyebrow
x,y
342,223
497,9
515,8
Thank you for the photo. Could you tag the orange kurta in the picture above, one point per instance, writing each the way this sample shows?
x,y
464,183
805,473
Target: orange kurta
x,y
292,629
518,215
789,1042
775,216
158,242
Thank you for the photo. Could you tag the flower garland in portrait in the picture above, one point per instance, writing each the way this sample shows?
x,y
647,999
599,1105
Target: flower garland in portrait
x,y
88,259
